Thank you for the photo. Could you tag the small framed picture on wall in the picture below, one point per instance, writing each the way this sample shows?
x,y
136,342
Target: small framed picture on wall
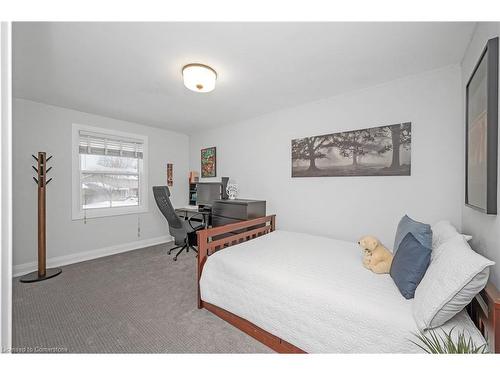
x,y
170,174
481,132
208,162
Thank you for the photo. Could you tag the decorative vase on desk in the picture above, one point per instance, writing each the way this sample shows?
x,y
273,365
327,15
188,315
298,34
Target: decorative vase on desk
x,y
232,190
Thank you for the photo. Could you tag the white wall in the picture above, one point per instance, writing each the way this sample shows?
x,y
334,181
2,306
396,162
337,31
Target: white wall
x,y
484,228
256,154
40,127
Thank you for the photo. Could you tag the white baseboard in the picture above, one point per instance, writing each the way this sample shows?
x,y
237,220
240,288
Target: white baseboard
x,y
21,269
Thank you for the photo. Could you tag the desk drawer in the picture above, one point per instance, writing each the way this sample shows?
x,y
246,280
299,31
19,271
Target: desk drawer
x,y
218,221
233,211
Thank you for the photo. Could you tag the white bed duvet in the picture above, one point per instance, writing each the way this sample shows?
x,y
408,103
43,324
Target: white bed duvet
x,y
314,293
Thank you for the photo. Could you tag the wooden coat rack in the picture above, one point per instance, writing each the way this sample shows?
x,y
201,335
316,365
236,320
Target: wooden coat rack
x,y
42,273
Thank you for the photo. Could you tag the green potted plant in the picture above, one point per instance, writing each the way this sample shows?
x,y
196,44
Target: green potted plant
x,y
432,343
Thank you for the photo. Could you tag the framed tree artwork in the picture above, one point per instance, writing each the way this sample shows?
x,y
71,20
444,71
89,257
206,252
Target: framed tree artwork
x,y
380,151
481,132
208,162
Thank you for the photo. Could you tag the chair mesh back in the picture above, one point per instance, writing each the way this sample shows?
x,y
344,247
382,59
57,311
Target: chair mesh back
x,y
161,194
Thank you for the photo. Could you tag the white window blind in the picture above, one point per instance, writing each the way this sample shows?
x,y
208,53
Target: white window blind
x,y
99,144
110,172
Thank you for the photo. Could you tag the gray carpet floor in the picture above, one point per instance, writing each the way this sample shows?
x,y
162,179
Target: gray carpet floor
x,y
135,302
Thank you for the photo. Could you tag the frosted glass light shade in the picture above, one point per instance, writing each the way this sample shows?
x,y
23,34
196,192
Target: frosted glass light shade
x,y
199,77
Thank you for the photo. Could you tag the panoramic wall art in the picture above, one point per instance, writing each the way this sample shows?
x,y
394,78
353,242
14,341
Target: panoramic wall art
x,y
381,151
482,132
208,162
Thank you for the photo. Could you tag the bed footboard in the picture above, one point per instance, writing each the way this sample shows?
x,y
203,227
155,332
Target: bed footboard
x,y
232,234
218,238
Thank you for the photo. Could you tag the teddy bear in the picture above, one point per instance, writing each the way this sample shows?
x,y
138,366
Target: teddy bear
x,y
376,257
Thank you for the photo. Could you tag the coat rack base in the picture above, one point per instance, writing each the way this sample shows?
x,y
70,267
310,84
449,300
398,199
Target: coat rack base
x,y
33,277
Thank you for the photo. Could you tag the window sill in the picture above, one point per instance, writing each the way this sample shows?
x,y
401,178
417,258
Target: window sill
x,y
106,212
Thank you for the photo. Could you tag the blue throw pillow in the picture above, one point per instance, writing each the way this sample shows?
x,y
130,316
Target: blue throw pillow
x,y
422,232
409,265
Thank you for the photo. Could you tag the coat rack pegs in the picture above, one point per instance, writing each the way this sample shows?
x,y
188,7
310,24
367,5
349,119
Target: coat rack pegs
x,y
50,157
42,273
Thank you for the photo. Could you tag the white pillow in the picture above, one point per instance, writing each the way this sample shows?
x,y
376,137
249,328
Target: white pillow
x,y
442,231
450,283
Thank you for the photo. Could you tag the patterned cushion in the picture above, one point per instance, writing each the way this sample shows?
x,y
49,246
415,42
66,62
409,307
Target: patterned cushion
x,y
451,282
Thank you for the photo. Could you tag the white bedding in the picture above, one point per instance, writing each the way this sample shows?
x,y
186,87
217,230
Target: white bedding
x,y
314,293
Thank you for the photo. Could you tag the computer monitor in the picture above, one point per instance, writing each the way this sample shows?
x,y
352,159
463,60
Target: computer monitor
x,y
207,193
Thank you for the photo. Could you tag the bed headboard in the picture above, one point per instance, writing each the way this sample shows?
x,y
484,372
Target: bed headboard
x,y
485,312
214,239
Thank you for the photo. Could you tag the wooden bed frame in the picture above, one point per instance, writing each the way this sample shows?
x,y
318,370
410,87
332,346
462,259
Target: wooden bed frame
x,y
484,309
485,313
235,234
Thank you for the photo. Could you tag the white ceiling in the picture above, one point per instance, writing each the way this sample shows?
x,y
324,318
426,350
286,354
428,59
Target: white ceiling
x,y
132,71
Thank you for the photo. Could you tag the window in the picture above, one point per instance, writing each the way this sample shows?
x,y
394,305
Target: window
x,y
109,172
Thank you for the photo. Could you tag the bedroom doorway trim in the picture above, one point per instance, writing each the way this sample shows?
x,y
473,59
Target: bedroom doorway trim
x,y
6,188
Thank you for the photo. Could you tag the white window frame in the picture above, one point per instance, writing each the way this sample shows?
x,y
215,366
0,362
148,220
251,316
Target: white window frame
x,y
78,213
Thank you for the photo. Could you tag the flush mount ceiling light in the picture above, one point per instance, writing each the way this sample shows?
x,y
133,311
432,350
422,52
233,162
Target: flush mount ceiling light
x,y
199,77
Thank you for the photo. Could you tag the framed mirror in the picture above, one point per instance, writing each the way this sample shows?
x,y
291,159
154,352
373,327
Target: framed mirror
x,y
481,129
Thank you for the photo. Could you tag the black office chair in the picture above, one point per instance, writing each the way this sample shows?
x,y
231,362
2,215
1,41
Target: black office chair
x,y
184,234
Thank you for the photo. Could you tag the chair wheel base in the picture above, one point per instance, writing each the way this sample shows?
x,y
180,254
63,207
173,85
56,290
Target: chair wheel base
x,y
186,248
